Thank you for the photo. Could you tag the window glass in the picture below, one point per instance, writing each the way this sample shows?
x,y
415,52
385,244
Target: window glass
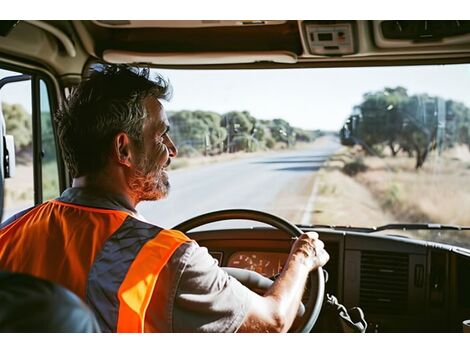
x,y
358,146
50,173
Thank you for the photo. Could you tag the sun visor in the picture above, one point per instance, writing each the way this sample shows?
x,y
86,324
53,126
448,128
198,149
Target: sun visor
x,y
207,58
184,23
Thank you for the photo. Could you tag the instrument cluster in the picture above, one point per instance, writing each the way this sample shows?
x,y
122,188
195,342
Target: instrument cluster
x,y
268,264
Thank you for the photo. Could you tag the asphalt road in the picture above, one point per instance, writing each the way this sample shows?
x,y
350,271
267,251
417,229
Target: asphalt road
x,y
281,183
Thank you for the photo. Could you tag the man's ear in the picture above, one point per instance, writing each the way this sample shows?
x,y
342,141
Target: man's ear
x,y
122,149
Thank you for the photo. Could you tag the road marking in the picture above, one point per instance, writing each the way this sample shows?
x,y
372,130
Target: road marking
x,y
306,218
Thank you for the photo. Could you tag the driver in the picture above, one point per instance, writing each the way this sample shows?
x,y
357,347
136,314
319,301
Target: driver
x,y
137,277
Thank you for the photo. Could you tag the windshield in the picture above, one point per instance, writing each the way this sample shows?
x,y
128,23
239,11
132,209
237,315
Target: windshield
x,y
345,146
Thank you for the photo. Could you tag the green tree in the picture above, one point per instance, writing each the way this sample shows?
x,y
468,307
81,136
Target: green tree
x,y
188,131
208,132
18,123
415,124
237,123
282,131
380,122
457,123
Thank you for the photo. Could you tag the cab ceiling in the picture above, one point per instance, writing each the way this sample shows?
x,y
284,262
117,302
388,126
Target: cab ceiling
x,y
66,46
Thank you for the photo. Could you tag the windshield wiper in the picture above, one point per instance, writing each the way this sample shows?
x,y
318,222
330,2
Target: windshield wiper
x,y
395,226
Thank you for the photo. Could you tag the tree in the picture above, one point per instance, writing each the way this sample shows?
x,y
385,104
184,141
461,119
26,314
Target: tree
x,y
458,120
210,133
379,121
414,124
282,131
419,129
217,133
18,123
188,130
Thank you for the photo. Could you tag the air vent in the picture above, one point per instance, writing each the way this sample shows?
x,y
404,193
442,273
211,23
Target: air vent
x,y
384,282
423,30
420,34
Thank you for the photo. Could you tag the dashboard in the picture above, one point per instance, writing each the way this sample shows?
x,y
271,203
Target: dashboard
x,y
402,285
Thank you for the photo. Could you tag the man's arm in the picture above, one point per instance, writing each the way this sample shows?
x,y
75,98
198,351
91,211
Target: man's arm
x,y
276,310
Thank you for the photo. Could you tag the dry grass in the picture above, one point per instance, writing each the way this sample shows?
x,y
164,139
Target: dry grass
x,y
391,190
439,192
341,200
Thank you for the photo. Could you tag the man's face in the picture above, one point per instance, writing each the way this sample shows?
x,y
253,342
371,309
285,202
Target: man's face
x,y
150,180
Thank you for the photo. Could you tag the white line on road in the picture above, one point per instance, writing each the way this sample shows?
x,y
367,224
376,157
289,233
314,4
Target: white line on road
x,y
307,217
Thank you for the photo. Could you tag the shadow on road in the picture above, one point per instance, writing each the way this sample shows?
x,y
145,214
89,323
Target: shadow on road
x,y
311,168
291,161
297,163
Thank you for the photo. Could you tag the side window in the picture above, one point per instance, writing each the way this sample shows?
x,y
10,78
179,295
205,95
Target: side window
x,y
16,103
50,172
30,166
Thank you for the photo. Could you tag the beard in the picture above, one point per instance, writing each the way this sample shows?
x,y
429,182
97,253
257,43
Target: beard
x,y
150,181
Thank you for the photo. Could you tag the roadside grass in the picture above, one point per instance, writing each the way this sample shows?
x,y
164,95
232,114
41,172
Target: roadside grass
x,y
341,200
439,192
390,189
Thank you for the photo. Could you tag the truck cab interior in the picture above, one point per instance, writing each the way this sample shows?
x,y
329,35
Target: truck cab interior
x,y
408,268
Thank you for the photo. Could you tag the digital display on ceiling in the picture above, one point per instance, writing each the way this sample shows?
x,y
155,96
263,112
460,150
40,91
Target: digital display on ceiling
x,y
325,36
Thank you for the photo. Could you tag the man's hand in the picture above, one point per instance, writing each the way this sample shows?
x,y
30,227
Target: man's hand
x,y
309,250
276,310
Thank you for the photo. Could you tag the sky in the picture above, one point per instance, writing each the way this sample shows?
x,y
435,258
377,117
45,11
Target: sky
x,y
308,98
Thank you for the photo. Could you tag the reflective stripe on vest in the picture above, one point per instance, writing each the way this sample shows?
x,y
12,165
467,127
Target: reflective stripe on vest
x,y
123,277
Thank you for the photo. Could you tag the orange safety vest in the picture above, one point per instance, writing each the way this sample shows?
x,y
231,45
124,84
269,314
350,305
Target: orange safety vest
x,y
107,257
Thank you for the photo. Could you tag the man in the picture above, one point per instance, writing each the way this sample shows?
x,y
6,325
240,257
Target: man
x,y
136,276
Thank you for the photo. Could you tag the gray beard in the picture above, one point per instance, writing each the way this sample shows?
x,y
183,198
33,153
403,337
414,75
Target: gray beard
x,y
151,186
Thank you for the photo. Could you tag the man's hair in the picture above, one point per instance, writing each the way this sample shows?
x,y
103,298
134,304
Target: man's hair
x,y
109,101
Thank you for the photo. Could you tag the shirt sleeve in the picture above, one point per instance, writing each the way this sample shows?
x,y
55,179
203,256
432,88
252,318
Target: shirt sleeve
x,y
207,299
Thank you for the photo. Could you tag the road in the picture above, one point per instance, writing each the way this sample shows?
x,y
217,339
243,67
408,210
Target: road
x,y
282,183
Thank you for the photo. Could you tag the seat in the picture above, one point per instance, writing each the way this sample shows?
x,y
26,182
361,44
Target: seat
x,y
30,304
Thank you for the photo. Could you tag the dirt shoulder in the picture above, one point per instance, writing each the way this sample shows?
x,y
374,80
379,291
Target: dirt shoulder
x,y
342,200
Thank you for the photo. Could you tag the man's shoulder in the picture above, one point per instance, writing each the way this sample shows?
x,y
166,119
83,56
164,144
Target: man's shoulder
x,y
16,216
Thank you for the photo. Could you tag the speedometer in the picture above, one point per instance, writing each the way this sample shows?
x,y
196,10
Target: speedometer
x,y
241,260
268,264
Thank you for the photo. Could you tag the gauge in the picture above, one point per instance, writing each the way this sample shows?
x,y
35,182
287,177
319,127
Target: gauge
x,y
240,260
268,264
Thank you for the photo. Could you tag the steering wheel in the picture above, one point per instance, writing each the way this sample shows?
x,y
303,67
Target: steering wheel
x,y
254,280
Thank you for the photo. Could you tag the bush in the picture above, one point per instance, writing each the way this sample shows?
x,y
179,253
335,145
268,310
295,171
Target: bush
x,y
354,167
392,197
244,143
270,143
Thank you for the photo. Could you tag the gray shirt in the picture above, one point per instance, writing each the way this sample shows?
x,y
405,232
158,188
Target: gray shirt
x,y
192,293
